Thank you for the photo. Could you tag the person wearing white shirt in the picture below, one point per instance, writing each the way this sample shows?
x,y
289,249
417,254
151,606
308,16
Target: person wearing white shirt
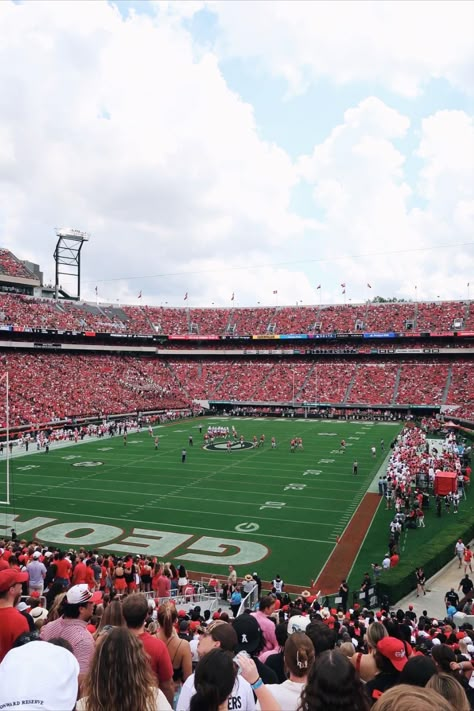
x,y
299,657
219,635
459,550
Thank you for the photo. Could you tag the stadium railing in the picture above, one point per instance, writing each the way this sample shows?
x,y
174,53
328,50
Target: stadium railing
x,y
249,601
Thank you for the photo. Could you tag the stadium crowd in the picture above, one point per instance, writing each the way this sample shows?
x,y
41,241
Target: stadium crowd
x,y
32,312
409,489
106,630
11,266
122,384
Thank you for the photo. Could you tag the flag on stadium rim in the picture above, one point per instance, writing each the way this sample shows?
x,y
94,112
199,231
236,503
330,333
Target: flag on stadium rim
x,y
185,296
140,295
96,290
232,297
275,291
318,287
343,286
369,285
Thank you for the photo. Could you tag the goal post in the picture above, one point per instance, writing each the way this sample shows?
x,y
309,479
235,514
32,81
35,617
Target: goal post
x,y
5,491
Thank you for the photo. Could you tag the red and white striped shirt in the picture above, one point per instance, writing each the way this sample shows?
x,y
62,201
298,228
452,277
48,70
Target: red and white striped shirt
x,y
77,634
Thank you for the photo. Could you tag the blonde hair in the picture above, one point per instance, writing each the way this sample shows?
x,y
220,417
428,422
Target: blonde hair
x,y
347,648
405,697
120,675
375,632
167,616
55,612
151,627
450,689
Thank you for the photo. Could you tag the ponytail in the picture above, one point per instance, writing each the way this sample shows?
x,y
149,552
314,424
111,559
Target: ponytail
x,y
166,617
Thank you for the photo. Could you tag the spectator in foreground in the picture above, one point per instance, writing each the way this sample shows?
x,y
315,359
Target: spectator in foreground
x,y
276,660
214,681
250,639
450,689
333,684
178,648
445,660
135,612
365,663
120,676
390,659
76,610
12,622
263,616
412,698
219,635
418,671
321,635
299,658
41,671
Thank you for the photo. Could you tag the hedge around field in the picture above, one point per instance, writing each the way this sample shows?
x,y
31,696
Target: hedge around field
x,y
400,581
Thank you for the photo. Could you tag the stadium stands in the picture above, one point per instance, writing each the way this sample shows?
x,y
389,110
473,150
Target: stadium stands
x,y
339,372
11,266
371,317
44,387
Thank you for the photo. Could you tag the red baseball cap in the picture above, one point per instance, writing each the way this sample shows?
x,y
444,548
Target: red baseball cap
x,y
182,613
394,650
11,577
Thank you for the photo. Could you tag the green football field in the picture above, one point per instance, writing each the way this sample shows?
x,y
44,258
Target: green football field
x,y
261,509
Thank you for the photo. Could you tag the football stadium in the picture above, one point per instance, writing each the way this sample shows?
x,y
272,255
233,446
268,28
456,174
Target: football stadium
x,y
237,391
253,437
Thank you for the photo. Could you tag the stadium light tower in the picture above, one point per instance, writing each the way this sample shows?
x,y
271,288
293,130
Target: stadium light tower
x,y
67,256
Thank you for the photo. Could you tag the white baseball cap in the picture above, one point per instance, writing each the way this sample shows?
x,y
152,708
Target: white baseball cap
x,y
81,595
37,692
297,623
37,554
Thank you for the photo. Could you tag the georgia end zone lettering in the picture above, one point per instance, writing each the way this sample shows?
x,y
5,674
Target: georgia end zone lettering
x,y
217,551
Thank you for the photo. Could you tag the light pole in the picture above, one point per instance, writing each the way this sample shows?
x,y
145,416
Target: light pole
x,y
293,371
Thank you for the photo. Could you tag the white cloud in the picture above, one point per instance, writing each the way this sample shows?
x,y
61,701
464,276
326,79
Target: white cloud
x,y
399,45
126,128
119,127
359,180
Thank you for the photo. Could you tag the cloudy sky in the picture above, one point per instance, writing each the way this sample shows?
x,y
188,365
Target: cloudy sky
x,y
242,147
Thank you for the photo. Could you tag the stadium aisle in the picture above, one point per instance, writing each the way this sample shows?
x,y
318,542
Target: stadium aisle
x,y
436,589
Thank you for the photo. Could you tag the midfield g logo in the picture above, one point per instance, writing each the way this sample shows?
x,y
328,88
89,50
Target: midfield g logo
x,y
234,446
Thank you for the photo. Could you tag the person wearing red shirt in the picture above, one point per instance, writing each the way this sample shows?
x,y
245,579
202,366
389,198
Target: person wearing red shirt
x,y
163,585
3,561
90,577
467,559
79,574
12,622
63,569
135,611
